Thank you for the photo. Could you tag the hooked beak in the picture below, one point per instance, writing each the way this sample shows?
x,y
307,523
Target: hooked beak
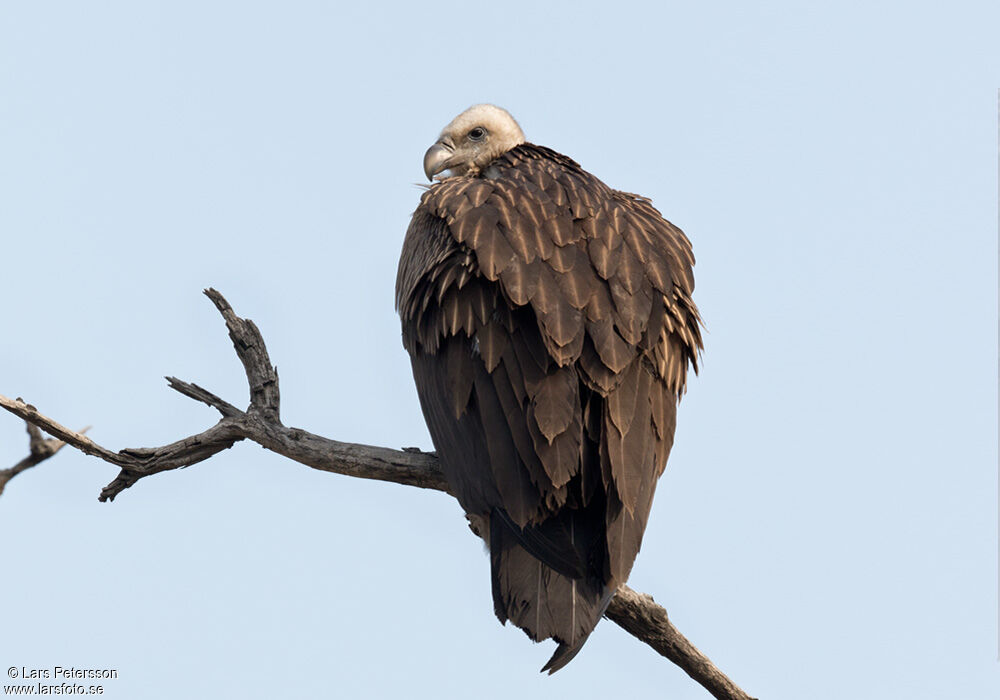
x,y
436,159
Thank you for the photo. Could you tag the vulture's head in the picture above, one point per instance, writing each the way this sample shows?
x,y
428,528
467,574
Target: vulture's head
x,y
473,139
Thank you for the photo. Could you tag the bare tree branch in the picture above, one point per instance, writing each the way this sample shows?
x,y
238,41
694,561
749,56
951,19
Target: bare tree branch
x,y
636,613
639,615
39,450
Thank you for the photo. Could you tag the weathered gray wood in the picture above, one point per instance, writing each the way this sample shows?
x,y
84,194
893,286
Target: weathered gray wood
x,y
39,450
639,615
636,613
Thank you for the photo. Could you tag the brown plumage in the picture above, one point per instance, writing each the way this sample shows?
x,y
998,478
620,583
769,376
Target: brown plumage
x,y
550,326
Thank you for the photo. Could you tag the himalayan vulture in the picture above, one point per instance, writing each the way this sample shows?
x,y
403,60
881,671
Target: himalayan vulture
x,y
550,325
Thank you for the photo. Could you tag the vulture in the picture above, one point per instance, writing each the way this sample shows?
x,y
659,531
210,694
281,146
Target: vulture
x,y
550,325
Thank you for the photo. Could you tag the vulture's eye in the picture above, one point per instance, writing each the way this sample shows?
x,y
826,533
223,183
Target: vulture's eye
x,y
477,134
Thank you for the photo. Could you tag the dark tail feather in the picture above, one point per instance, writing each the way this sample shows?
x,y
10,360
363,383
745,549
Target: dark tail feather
x,y
544,543
565,652
543,602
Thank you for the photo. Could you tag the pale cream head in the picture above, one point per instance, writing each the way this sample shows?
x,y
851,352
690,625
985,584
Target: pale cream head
x,y
472,139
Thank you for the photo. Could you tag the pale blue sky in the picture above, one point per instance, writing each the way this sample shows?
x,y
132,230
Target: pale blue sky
x,y
827,525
